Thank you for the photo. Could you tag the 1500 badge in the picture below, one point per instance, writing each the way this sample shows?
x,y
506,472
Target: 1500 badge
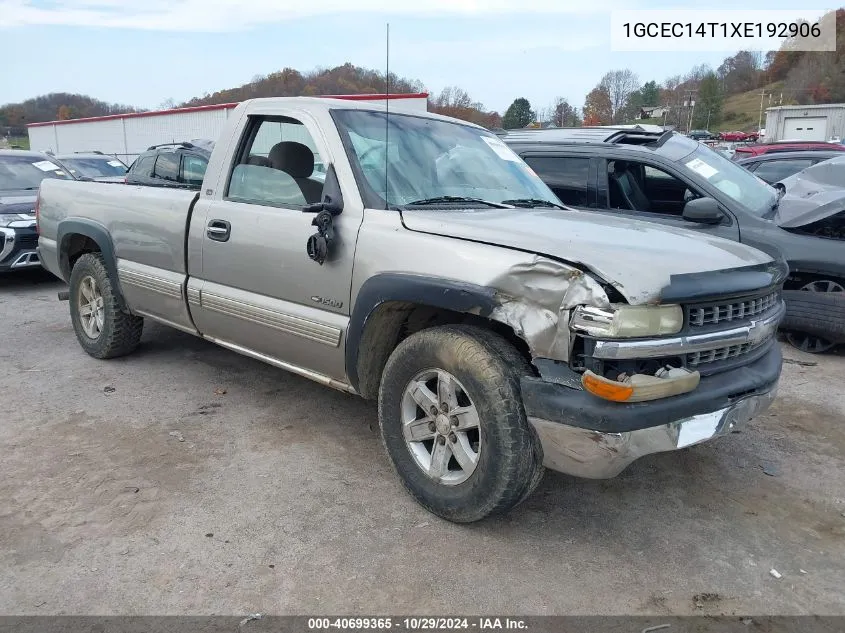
x,y
331,303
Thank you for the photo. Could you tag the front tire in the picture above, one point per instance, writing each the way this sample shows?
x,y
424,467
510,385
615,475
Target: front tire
x,y
453,424
102,329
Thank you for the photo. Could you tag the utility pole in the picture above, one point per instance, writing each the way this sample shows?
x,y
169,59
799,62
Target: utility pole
x,y
760,119
708,119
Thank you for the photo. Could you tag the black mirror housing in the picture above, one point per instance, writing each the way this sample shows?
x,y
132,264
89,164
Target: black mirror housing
x,y
703,211
332,196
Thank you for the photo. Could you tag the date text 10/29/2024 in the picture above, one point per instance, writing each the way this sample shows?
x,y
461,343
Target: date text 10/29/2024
x,y
418,623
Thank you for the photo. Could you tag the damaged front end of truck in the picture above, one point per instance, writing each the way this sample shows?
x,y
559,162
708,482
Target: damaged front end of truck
x,y
618,381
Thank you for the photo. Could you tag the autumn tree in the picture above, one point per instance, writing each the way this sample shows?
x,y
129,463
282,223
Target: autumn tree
x,y
563,114
456,102
619,85
518,115
598,108
741,72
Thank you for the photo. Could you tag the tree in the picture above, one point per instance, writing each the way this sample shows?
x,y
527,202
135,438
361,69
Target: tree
x,y
619,84
455,102
63,113
598,109
650,93
708,107
167,104
518,114
742,72
563,114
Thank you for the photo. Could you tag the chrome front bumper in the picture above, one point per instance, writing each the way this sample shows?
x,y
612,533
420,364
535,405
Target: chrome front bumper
x,y
596,455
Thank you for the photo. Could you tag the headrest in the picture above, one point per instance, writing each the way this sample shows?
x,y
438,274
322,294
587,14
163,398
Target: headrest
x,y
293,158
262,161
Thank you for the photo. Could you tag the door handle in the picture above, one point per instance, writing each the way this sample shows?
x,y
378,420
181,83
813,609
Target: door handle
x,y
218,230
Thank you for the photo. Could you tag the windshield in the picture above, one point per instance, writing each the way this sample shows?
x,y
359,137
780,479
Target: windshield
x,y
94,167
429,159
27,172
733,180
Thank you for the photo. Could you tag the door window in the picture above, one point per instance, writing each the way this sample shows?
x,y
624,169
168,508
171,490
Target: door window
x,y
634,186
566,176
193,169
167,167
774,170
144,166
275,166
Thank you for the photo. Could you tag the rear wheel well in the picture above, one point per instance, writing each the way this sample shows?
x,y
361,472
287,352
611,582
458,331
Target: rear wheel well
x,y
75,246
392,322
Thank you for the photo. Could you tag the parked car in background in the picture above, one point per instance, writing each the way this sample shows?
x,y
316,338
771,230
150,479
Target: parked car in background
x,y
21,173
701,135
738,136
93,166
758,149
668,178
436,281
776,166
171,165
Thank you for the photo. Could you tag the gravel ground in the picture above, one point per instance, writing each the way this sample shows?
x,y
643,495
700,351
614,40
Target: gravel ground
x,y
188,479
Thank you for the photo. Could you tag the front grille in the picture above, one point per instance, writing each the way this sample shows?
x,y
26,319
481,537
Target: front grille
x,y
695,359
719,312
27,240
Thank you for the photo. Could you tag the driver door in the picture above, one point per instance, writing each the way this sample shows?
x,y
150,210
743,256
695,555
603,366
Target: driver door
x,y
258,291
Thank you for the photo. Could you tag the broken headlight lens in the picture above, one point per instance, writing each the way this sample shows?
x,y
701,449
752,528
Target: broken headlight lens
x,y
624,321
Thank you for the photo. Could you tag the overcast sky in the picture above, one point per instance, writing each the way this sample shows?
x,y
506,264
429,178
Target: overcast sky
x,y
142,52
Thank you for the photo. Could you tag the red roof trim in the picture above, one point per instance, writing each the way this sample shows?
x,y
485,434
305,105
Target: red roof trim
x,y
219,106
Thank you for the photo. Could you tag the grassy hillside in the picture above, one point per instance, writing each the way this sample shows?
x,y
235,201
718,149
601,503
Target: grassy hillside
x,y
742,111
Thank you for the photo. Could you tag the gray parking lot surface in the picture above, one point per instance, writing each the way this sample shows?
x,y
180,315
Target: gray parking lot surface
x,y
188,479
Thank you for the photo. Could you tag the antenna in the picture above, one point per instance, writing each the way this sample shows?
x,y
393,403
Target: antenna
x,y
386,114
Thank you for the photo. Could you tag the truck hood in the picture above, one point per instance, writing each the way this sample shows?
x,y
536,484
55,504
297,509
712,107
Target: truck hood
x,y
635,256
17,201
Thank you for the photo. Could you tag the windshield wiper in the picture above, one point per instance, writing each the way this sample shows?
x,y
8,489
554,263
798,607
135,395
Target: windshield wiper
x,y
531,203
455,199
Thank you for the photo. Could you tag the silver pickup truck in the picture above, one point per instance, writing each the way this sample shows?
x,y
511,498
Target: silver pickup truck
x,y
430,269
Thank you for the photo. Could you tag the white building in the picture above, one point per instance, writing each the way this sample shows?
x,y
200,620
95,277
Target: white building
x,y
805,123
127,135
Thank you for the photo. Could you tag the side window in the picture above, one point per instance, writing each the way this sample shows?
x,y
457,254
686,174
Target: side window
x,y
193,169
144,166
275,165
567,176
167,167
634,186
773,170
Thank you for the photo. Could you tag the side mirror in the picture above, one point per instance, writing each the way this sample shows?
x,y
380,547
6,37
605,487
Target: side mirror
x,y
332,200
703,211
319,245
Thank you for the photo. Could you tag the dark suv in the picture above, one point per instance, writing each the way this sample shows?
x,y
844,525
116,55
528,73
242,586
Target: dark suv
x,y
646,173
171,165
21,173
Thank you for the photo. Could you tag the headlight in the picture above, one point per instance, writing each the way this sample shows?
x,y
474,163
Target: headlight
x,y
624,321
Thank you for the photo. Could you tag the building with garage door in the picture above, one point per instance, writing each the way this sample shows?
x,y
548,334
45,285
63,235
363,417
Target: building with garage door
x,y
806,122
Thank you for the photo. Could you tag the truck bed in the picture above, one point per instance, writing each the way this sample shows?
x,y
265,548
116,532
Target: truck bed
x,y
150,227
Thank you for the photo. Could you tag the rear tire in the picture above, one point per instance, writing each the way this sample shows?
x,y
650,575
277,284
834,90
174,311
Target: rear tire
x,y
475,457
102,329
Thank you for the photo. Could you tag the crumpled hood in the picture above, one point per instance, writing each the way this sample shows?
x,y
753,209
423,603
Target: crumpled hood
x,y
635,256
807,201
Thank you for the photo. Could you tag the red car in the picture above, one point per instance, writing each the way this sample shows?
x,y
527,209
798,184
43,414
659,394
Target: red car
x,y
785,146
738,137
